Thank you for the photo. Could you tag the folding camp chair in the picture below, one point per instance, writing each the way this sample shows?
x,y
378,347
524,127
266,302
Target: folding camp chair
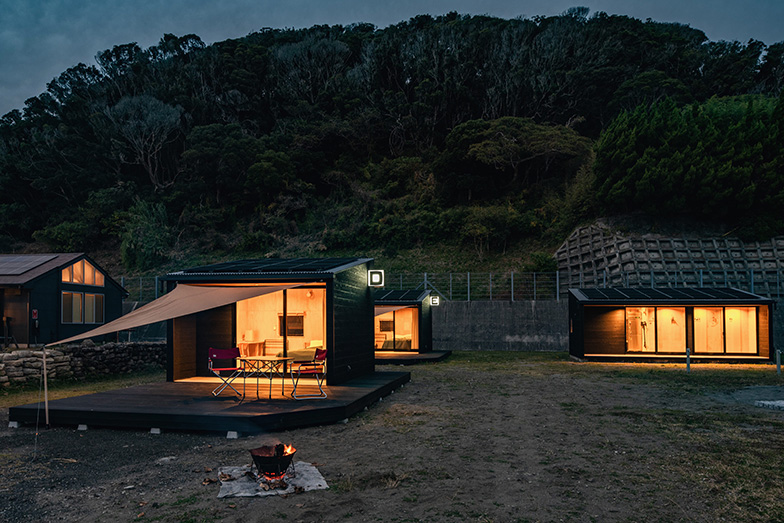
x,y
316,368
224,361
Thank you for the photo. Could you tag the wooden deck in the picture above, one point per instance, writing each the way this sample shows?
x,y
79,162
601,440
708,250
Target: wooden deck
x,y
410,358
190,406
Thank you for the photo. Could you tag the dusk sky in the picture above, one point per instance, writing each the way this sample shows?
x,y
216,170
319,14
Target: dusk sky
x,y
39,39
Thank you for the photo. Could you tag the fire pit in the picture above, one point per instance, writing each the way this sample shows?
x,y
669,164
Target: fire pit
x,y
272,460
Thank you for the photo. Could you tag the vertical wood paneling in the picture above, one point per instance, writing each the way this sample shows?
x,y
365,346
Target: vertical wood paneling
x,y
352,306
604,330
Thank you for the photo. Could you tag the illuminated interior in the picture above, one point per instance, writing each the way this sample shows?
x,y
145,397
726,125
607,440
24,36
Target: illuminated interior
x,y
261,325
640,329
716,330
709,330
84,273
671,329
398,330
741,329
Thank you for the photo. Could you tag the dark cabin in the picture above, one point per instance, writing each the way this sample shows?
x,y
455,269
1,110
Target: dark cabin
x,y
321,302
713,323
403,321
48,297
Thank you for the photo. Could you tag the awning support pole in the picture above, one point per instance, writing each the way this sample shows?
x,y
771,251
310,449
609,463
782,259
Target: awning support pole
x,y
46,389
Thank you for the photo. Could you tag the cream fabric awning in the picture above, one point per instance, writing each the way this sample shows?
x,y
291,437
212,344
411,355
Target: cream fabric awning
x,y
183,300
389,308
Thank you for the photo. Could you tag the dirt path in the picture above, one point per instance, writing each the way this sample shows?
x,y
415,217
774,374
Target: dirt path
x,y
456,444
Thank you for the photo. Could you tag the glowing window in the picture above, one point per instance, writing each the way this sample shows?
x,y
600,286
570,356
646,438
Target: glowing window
x,y
84,273
72,307
741,329
295,325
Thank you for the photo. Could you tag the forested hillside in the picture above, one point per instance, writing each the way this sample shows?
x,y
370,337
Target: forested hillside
x,y
463,132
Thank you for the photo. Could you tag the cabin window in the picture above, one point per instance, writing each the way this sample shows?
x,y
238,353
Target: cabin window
x,y
93,308
656,329
708,330
716,330
259,321
640,329
671,329
72,307
295,324
741,329
80,307
83,273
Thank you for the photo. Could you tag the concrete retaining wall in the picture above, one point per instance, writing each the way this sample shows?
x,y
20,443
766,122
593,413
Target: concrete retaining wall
x,y
501,325
79,361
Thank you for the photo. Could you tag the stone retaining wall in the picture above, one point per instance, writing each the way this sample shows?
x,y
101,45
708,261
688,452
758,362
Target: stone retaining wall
x,y
79,361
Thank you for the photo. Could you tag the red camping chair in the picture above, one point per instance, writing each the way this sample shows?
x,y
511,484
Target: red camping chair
x,y
224,361
316,368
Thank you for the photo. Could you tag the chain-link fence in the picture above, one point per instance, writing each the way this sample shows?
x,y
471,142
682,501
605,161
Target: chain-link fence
x,y
142,288
526,286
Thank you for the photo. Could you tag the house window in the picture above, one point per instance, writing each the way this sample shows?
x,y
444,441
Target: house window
x,y
295,324
84,273
82,308
93,308
72,307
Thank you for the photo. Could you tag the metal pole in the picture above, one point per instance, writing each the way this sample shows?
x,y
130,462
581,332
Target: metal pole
x,y
604,279
557,286
401,281
534,286
140,288
46,390
157,284
651,278
688,359
751,278
450,286
512,279
491,286
701,281
778,361
468,282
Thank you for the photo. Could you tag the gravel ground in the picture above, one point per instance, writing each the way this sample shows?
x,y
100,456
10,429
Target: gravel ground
x,y
458,443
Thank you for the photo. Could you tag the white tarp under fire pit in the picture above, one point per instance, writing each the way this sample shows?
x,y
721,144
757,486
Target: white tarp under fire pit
x,y
306,477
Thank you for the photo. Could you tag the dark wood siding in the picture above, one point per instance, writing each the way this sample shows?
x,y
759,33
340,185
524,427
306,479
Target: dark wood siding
x,y
183,347
15,303
352,353
604,330
576,346
763,315
194,335
425,326
214,328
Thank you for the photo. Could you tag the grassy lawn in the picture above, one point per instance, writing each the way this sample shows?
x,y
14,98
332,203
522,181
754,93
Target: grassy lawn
x,y
729,453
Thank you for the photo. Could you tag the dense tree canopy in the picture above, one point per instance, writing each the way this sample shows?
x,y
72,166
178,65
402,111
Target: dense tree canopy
x,y
458,128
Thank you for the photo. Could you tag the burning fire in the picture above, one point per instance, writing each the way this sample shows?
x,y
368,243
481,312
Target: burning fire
x,y
273,461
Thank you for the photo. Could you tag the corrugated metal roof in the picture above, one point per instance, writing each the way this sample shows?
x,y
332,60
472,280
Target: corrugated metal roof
x,y
401,296
670,295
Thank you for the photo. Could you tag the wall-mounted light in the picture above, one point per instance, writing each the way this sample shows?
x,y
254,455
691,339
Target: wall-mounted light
x,y
376,278
435,300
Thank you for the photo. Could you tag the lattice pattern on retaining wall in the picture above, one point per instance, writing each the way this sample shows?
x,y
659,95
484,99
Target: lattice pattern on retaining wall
x,y
596,255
